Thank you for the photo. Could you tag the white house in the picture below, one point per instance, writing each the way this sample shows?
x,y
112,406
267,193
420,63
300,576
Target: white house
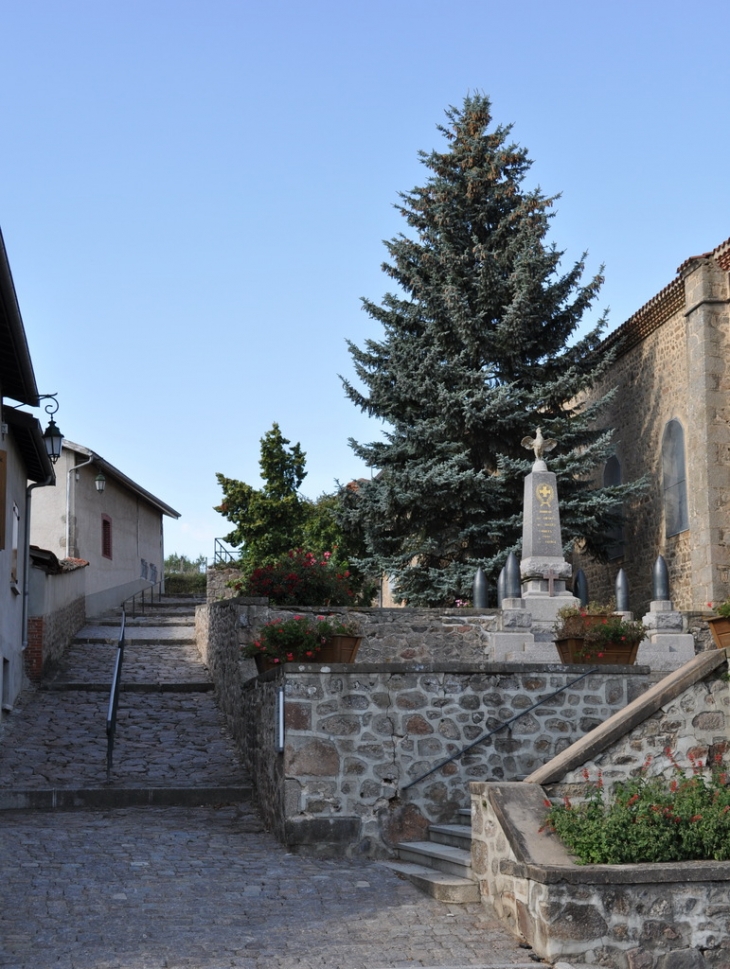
x,y
117,530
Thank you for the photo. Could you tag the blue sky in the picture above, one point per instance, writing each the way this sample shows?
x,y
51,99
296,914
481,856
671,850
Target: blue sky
x,y
194,196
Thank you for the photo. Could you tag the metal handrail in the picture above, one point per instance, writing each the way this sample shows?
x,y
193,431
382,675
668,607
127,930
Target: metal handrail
x,y
223,555
111,717
501,726
141,595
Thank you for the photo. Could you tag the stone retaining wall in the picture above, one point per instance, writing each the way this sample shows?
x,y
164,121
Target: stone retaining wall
x,y
357,734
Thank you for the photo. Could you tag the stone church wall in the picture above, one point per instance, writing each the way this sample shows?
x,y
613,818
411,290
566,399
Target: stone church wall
x,y
673,363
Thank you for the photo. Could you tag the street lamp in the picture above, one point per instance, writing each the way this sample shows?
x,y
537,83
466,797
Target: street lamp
x,y
100,482
52,436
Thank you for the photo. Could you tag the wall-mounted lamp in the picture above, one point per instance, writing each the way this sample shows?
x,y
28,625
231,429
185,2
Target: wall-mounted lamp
x,y
52,436
100,482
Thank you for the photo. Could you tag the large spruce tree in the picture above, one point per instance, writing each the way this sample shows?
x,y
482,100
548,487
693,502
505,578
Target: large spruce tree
x,y
479,349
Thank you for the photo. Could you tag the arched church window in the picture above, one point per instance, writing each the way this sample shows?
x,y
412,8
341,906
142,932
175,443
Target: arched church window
x,y
612,476
676,515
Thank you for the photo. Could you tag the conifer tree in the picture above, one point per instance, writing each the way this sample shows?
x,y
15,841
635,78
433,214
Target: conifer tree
x,y
479,349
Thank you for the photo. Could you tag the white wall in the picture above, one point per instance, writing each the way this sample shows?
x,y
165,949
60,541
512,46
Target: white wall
x,y
136,528
11,595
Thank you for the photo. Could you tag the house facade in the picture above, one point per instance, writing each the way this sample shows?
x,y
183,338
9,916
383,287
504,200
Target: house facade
x,y
118,531
671,414
23,459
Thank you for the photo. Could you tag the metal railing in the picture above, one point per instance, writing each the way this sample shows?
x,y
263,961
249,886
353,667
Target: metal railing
x,y
223,555
502,726
143,596
111,717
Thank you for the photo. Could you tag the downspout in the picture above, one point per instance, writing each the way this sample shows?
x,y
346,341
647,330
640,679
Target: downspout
x,y
72,470
50,480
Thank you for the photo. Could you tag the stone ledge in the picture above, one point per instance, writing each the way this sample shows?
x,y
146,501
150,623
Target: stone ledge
x,y
451,667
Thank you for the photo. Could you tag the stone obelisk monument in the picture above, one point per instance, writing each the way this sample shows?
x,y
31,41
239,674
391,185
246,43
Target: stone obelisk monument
x,y
527,623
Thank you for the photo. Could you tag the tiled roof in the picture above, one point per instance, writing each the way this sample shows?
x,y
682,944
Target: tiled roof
x,y
663,306
651,316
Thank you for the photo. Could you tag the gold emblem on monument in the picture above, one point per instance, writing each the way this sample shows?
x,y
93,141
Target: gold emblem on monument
x,y
545,494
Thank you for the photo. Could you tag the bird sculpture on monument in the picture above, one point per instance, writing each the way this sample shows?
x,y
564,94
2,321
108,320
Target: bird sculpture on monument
x,y
539,444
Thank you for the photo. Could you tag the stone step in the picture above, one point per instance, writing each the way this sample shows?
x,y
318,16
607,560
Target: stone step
x,y
465,813
143,621
437,884
456,835
444,858
102,798
157,686
145,635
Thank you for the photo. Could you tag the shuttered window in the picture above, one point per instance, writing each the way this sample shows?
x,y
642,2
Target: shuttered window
x,y
106,536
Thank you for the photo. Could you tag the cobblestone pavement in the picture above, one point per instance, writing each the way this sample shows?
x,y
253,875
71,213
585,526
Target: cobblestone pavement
x,y
206,888
58,739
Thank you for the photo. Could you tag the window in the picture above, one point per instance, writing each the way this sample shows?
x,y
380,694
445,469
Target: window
x,y
611,477
106,536
676,515
15,548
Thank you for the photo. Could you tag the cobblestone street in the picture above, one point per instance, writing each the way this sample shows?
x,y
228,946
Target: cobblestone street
x,y
206,888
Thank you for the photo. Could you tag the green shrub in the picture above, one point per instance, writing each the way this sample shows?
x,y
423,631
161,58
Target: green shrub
x,y
650,819
185,583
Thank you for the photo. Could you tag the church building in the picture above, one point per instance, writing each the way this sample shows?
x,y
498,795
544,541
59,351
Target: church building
x,y
671,414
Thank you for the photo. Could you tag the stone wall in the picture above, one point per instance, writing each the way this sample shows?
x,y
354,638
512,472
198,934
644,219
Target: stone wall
x,y
389,635
50,635
652,916
217,583
672,364
357,735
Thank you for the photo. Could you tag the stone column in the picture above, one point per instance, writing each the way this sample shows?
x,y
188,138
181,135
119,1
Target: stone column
x,y
707,439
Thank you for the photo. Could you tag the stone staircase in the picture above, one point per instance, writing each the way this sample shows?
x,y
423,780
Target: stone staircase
x,y
171,745
441,866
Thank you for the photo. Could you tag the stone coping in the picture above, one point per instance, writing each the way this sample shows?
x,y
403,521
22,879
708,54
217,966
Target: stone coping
x,y
633,714
365,610
648,873
450,667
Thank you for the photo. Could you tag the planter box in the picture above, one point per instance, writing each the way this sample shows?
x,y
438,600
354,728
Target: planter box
x,y
340,649
570,650
720,629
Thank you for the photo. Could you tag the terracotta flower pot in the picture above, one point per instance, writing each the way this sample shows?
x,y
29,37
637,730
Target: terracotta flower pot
x,y
264,663
339,649
720,629
616,654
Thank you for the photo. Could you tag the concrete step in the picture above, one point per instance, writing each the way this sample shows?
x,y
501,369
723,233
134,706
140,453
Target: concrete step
x,y
444,858
456,835
437,884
